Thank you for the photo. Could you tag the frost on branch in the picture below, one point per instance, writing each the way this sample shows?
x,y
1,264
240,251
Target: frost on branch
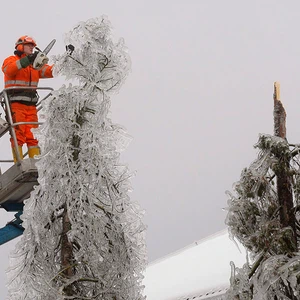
x,y
84,237
254,220
101,63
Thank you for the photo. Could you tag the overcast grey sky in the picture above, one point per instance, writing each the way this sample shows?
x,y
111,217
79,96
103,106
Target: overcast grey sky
x,y
199,94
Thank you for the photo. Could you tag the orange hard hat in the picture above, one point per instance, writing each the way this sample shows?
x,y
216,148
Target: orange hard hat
x,y
25,39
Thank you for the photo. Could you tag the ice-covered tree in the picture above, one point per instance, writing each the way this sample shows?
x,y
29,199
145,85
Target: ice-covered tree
x,y
84,237
263,215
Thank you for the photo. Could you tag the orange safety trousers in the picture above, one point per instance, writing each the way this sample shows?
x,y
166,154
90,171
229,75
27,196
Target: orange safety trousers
x,y
24,113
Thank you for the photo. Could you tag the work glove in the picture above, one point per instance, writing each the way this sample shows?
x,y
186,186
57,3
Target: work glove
x,y
32,57
70,48
28,60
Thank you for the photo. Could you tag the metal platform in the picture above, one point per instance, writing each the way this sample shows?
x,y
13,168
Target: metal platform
x,y
17,183
4,127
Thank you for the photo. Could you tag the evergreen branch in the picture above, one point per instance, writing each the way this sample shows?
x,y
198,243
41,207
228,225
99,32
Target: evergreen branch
x,y
113,86
75,60
63,270
256,264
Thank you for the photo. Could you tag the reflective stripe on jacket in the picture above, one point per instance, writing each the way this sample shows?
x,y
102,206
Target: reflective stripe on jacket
x,y
16,76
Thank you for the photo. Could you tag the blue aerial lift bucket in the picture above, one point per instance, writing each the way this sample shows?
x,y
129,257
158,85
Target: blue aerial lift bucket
x,y
18,181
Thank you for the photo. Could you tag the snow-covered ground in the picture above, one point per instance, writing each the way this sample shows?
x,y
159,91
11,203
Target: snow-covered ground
x,y
198,271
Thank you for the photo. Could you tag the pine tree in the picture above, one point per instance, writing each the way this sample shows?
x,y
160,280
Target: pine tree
x,y
84,237
263,215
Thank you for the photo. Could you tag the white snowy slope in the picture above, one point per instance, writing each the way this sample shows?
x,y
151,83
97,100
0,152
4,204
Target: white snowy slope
x,y
198,271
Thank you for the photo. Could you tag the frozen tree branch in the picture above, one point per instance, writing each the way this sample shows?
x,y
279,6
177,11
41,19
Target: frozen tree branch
x,y
263,215
84,238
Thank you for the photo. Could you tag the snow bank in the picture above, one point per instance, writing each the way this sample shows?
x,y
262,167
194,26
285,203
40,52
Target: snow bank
x,y
200,270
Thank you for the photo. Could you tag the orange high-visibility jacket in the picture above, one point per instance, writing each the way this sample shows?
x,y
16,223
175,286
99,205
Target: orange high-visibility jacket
x,y
15,75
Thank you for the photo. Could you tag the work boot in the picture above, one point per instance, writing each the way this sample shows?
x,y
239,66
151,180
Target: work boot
x,y
33,150
20,150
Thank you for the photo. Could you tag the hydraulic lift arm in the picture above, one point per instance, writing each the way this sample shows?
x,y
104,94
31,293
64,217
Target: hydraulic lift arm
x,y
12,229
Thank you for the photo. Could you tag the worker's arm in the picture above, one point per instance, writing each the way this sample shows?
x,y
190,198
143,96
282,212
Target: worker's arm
x,y
12,64
46,71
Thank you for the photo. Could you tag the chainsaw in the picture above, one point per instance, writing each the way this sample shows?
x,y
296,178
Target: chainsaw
x,y
41,58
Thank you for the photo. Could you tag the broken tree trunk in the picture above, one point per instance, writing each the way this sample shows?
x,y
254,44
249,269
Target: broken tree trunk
x,y
284,185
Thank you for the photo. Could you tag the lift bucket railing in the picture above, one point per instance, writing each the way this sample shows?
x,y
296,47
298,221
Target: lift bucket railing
x,y
8,125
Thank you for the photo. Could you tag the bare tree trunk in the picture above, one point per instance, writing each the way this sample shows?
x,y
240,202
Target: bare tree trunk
x,y
284,186
279,113
67,258
66,251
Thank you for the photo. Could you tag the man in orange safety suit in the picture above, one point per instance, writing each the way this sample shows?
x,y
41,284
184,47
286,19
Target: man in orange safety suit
x,y
19,72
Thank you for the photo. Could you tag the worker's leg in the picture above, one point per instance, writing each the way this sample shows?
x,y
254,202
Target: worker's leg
x,y
20,152
32,143
33,151
18,115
